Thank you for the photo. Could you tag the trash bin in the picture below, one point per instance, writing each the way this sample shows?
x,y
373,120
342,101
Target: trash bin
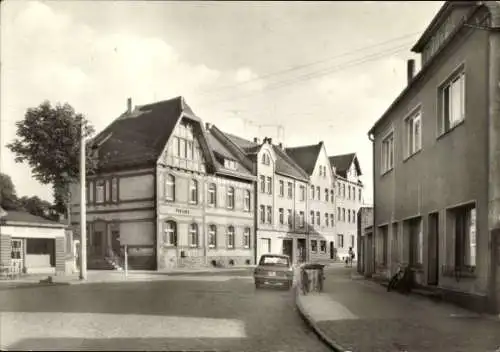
x,y
312,277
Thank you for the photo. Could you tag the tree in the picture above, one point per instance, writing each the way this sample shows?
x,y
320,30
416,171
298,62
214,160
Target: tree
x,y
8,195
37,206
49,141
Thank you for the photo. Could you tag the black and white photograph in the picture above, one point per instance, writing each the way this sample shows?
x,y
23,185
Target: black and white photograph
x,y
250,176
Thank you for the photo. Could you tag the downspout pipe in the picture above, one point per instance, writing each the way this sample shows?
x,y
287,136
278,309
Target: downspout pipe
x,y
371,137
494,152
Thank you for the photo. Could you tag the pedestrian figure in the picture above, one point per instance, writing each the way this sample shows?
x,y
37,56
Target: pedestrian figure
x,y
350,257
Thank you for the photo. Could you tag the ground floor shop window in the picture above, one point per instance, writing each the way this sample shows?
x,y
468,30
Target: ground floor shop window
x,y
314,246
464,224
323,246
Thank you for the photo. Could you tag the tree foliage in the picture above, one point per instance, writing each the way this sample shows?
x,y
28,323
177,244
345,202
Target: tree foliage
x,y
48,139
8,195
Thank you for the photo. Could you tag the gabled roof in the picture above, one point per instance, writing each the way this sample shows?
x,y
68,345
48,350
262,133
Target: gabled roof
x,y
284,164
343,162
16,216
221,152
140,136
305,156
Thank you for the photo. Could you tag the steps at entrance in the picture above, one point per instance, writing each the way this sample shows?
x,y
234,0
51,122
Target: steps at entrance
x,y
98,263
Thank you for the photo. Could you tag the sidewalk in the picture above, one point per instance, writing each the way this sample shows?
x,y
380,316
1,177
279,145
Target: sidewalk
x,y
102,276
359,315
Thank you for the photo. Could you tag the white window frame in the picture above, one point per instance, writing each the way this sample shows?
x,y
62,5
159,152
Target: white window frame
x,y
230,198
302,193
269,214
314,248
246,237
170,185
301,219
289,217
170,239
193,191
247,200
387,152
290,190
100,186
212,235
413,141
318,218
114,189
281,213
194,238
262,209
448,123
262,183
230,237
212,195
269,185
282,188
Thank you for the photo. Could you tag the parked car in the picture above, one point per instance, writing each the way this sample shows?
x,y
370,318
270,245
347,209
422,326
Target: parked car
x,y
274,270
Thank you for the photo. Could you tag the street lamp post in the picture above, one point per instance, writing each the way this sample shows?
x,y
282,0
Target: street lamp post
x,y
83,207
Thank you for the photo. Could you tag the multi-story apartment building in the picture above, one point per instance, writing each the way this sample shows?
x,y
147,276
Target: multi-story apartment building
x,y
349,198
281,196
313,159
169,191
436,154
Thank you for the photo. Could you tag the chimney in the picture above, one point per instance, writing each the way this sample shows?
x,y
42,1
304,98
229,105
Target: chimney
x,y
280,145
129,105
208,125
255,140
410,69
270,140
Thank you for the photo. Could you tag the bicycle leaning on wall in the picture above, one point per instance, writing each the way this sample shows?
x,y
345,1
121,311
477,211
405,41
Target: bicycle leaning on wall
x,y
402,280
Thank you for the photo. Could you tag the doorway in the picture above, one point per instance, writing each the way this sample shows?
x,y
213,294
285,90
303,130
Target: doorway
x,y
301,250
288,248
433,250
332,250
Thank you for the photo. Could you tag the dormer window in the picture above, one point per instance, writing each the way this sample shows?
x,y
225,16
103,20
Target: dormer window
x,y
230,164
266,160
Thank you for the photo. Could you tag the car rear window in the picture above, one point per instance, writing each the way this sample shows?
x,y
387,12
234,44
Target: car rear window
x,y
270,260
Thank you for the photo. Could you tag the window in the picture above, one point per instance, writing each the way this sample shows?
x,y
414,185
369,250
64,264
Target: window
x,y
314,246
246,238
388,153
312,192
301,219
452,99
349,192
312,218
193,192
332,218
170,188
99,191
348,215
413,134
290,190
465,237
326,194
318,192
354,216
331,196
230,198
262,214
340,241
326,219
266,160
212,236
262,184
212,195
194,240
343,190
343,214
352,242
416,241
230,237
289,217
170,234
282,188
339,189
16,249
269,214
322,247
230,164
114,190
90,192
269,185
247,200
338,214
302,193
318,218
359,194
281,215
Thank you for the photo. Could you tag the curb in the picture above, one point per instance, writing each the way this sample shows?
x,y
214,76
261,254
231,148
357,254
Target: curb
x,y
310,321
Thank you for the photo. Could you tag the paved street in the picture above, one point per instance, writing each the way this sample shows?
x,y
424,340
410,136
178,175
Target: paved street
x,y
222,314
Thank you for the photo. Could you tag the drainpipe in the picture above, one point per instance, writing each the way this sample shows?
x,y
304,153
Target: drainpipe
x,y
494,150
372,250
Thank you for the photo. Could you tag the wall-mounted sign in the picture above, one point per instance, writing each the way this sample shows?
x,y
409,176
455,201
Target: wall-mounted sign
x,y
182,211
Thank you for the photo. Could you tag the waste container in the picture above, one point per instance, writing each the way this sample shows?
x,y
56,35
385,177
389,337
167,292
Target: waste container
x,y
312,277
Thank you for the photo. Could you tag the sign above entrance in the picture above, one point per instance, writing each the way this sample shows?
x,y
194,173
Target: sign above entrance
x,y
182,211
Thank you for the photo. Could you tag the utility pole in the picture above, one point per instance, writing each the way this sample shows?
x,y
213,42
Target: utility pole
x,y
83,206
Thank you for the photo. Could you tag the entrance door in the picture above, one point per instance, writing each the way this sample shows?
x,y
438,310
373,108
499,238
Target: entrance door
x,y
370,254
301,250
288,248
433,249
332,250
265,246
115,242
17,254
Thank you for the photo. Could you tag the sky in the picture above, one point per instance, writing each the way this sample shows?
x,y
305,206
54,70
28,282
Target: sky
x,y
325,71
